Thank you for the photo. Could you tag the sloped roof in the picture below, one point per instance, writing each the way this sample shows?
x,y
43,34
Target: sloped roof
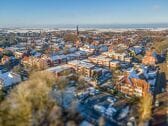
x,y
9,78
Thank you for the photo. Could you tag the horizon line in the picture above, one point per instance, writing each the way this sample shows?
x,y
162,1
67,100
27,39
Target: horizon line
x,y
80,25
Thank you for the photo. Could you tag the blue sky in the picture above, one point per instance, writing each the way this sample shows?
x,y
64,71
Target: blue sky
x,y
38,12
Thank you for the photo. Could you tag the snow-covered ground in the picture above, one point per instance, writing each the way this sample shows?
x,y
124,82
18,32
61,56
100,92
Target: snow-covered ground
x,y
97,30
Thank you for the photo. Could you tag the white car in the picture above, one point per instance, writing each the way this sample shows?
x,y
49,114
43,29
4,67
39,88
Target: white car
x,y
156,103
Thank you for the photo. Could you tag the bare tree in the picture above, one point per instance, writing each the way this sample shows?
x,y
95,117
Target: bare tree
x,y
30,103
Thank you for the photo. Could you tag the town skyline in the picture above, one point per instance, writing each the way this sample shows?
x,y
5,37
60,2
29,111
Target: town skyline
x,y
83,63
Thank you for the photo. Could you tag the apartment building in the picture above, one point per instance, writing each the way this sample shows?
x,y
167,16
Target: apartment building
x,y
62,70
100,60
81,67
40,63
115,55
104,61
95,74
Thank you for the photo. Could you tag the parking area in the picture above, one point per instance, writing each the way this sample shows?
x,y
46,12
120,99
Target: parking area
x,y
92,106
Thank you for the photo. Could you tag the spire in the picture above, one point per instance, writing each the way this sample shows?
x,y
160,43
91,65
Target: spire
x,y
77,30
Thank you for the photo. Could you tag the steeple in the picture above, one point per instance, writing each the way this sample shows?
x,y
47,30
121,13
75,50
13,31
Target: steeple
x,y
78,39
77,30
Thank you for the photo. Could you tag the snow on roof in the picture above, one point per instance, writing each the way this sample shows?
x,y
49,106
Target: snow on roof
x,y
57,57
81,63
37,54
133,74
58,69
80,52
100,57
104,58
9,78
87,65
115,61
97,69
72,55
86,60
74,62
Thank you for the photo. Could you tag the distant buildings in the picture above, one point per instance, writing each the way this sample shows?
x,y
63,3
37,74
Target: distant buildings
x,y
90,54
46,61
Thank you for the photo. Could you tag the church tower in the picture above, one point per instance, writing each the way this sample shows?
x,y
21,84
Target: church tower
x,y
77,30
78,39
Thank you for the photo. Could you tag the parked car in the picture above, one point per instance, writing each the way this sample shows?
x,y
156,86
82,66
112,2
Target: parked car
x,y
156,103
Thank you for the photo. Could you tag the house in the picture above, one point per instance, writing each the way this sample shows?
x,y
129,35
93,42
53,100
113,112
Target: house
x,y
135,50
9,79
87,48
139,81
150,58
134,86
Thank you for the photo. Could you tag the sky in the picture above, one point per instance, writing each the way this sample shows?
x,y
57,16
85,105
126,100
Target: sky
x,y
54,12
